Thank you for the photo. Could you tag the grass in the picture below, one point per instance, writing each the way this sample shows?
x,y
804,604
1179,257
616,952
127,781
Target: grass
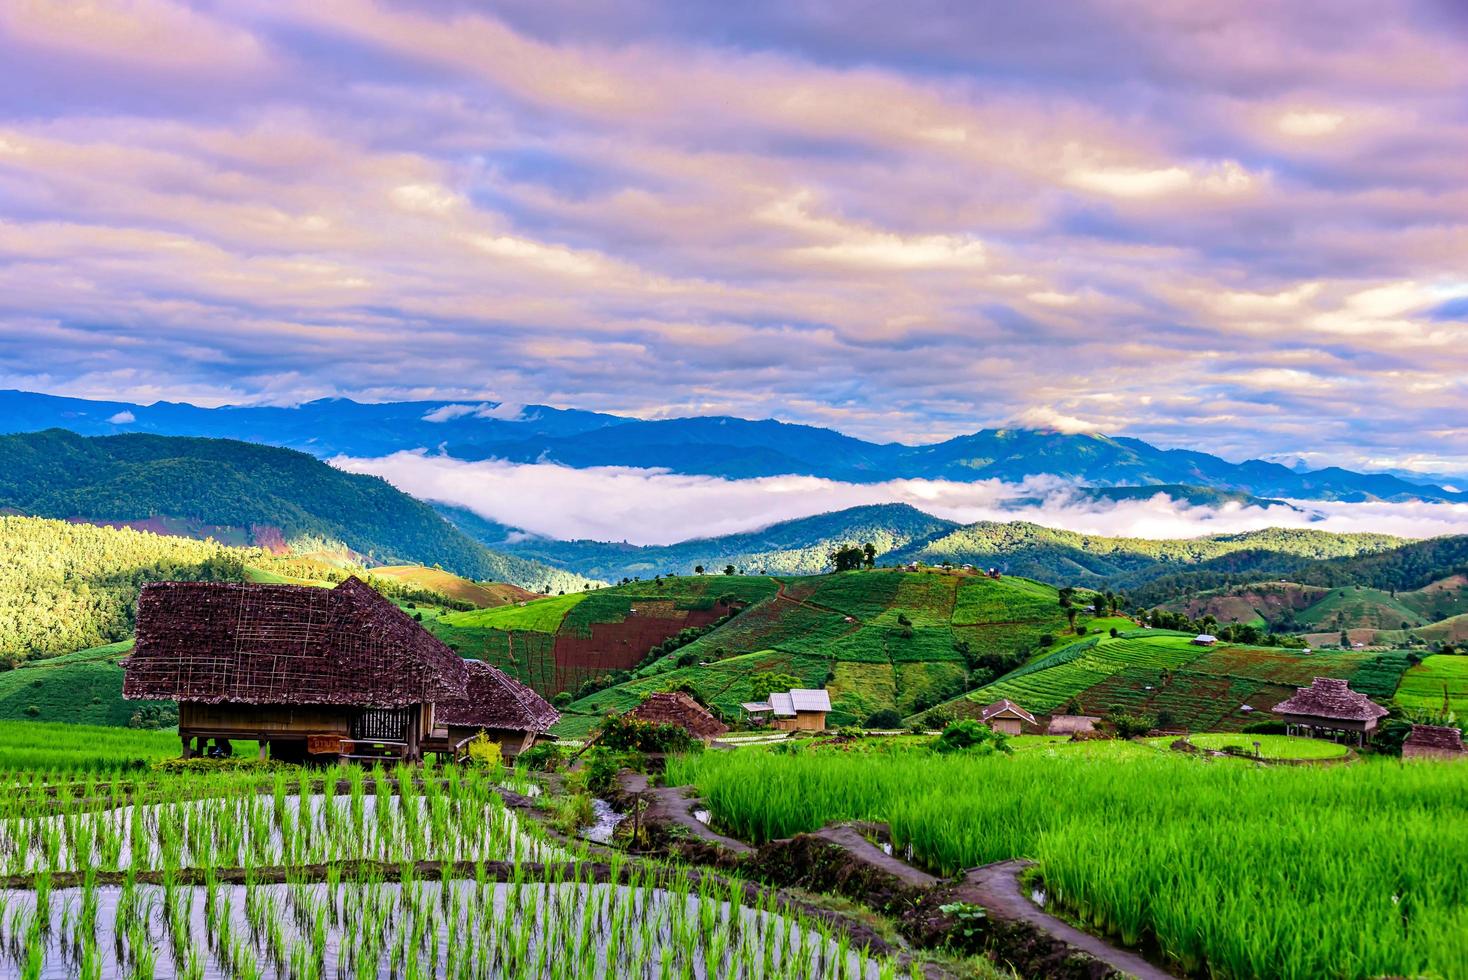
x,y
1425,686
1232,869
539,615
44,746
1271,746
84,687
482,594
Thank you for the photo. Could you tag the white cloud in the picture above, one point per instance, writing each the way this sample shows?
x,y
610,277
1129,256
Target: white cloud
x,y
655,507
1306,123
1048,418
122,418
504,411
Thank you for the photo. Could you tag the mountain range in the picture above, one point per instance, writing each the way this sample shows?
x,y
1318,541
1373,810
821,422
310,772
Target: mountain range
x,y
719,446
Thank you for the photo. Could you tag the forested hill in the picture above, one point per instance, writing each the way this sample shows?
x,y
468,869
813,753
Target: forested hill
x,y
243,493
801,546
1409,565
1072,558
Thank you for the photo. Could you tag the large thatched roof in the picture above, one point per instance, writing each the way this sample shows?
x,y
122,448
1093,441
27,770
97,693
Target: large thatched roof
x,y
496,700
677,708
1330,697
285,644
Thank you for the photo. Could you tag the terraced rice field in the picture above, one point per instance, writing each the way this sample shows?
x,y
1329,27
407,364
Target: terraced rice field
x,y
1165,674
1424,687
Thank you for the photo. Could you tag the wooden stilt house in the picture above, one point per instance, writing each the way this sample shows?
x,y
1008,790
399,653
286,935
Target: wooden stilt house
x,y
330,673
508,712
1328,708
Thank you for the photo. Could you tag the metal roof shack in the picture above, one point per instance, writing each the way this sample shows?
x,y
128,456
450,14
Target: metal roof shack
x,y
677,708
798,709
1434,742
1328,708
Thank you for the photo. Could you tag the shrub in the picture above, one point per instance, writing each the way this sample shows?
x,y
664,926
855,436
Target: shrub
x,y
601,765
1266,728
543,757
1129,725
884,719
485,752
938,718
631,734
562,700
968,734
1046,639
33,710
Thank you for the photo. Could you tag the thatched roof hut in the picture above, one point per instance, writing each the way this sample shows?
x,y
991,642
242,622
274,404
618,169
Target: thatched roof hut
x,y
677,708
1332,698
1434,742
495,700
1329,708
226,642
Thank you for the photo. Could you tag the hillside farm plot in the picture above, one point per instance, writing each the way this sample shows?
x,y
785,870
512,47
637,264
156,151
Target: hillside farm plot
x,y
540,615
861,595
1425,686
925,598
983,600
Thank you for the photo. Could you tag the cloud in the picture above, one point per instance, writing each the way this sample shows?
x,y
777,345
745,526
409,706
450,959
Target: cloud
x,y
1230,227
122,418
1047,418
654,507
506,411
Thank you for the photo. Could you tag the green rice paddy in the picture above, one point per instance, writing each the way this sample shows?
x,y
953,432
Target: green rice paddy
x,y
1229,869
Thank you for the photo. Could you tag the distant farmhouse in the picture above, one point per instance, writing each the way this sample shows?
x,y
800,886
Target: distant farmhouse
x,y
800,709
1328,708
316,673
1007,717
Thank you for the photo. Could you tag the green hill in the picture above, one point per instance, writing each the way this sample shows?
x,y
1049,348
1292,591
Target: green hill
x,y
243,493
798,547
1162,674
66,587
879,639
1073,558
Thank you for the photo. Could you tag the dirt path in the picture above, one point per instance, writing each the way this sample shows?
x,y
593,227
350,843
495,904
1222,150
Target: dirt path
x,y
863,850
668,804
996,887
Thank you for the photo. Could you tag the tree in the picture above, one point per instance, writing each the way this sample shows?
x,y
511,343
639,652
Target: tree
x,y
1070,615
869,550
728,569
698,569
766,682
847,558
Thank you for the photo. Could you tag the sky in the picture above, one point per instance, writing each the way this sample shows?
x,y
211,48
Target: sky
x,y
1236,227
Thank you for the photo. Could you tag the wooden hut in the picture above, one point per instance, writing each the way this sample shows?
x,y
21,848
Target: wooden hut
x,y
1007,717
332,673
1434,742
800,709
1328,708
495,703
677,708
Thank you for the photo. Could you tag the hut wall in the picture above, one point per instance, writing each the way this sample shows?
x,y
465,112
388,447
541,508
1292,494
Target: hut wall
x,y
804,721
1009,726
262,719
1410,751
512,742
